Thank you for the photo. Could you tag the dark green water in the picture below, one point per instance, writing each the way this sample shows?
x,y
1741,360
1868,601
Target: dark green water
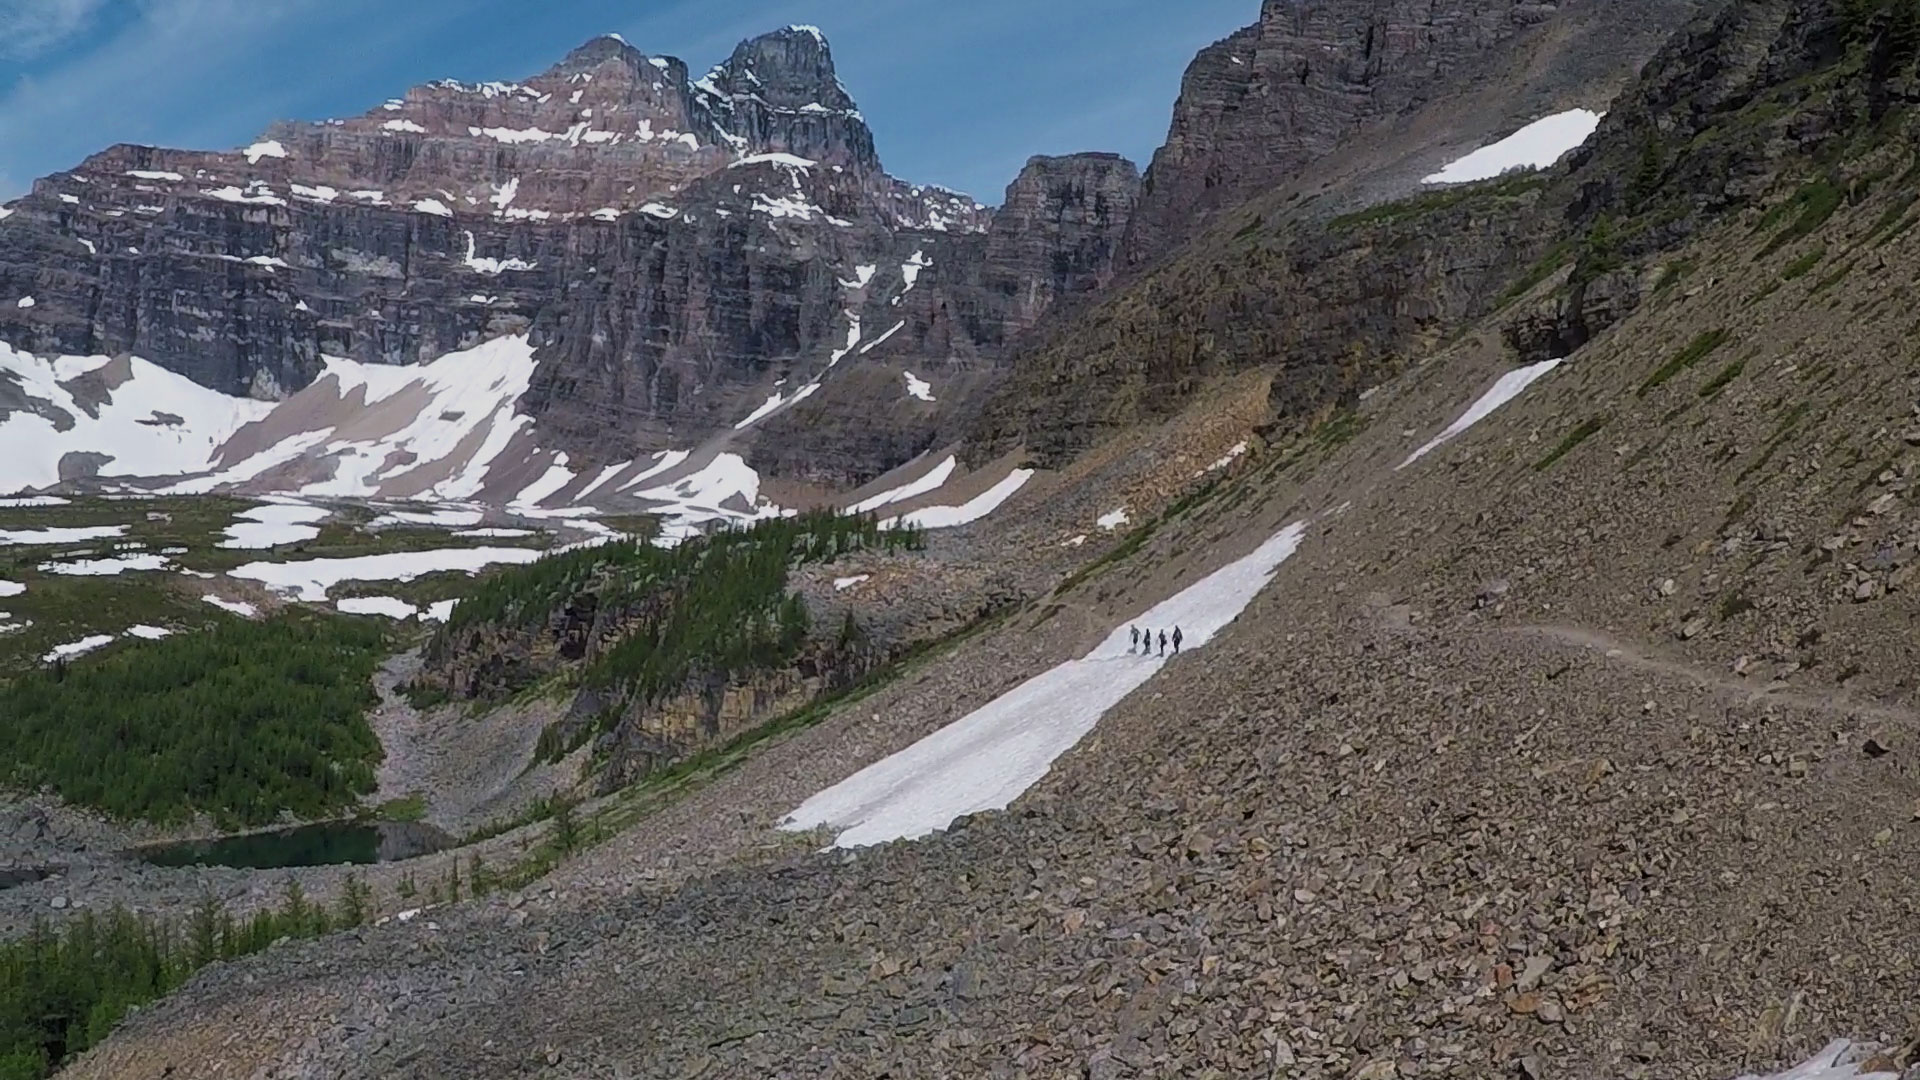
x,y
326,844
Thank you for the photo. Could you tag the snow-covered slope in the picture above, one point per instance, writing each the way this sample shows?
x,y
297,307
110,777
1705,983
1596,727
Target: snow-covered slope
x,y
449,431
142,419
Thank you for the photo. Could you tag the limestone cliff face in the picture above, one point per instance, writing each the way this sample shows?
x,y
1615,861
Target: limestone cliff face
x,y
1051,245
1258,108
680,249
1056,234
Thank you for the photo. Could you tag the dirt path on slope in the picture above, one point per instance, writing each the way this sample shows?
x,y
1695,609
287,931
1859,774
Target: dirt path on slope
x,y
1643,657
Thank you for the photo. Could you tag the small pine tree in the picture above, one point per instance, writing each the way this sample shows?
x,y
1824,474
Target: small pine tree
x,y
354,898
204,933
296,914
566,830
1646,176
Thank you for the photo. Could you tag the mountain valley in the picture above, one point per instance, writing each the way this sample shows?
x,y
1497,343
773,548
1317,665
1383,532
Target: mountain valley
x,y
694,572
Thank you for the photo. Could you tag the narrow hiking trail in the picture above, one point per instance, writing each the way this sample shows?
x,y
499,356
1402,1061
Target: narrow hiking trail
x,y
1645,658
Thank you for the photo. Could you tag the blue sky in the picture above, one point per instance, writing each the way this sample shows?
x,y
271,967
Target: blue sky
x,y
958,94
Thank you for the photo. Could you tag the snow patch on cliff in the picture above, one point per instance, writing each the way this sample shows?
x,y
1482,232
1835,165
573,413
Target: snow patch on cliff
x,y
934,479
946,517
1535,146
493,267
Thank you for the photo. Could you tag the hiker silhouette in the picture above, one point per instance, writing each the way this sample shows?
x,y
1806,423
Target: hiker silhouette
x,y
1135,647
1163,643
1176,640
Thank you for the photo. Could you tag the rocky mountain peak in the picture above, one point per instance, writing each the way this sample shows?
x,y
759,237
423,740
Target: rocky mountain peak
x,y
779,92
790,68
599,51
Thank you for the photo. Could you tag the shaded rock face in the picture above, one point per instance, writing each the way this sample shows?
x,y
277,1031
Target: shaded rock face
x,y
1259,107
1050,245
679,249
1057,232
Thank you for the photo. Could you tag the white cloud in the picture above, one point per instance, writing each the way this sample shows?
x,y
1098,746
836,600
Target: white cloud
x,y
30,27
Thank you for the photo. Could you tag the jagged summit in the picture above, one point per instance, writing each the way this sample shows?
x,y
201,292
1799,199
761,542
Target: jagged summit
x,y
780,91
598,51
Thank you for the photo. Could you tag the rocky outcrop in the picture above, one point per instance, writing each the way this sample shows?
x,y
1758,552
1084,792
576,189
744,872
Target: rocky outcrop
x,y
1058,230
1332,309
1051,245
780,91
1260,107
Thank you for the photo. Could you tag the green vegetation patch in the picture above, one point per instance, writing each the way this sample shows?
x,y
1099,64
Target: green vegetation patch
x,y
1809,208
1672,274
1695,351
1833,279
710,609
1721,378
1585,431
242,721
62,993
1803,265
1435,202
1542,269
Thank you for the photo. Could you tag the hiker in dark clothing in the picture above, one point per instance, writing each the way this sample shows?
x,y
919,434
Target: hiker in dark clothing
x,y
1176,641
1163,643
1135,647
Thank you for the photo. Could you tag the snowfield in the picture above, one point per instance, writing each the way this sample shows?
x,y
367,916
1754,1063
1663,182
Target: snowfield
x,y
387,606
40,537
985,760
309,580
274,524
1535,146
946,517
1841,1060
125,564
78,648
233,607
1508,387
154,423
934,480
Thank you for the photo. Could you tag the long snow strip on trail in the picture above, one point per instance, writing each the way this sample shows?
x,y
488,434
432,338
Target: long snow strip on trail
x,y
1509,386
1535,146
986,759
1841,1060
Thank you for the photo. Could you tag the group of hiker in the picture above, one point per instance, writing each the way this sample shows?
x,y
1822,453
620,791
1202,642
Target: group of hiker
x,y
1143,641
